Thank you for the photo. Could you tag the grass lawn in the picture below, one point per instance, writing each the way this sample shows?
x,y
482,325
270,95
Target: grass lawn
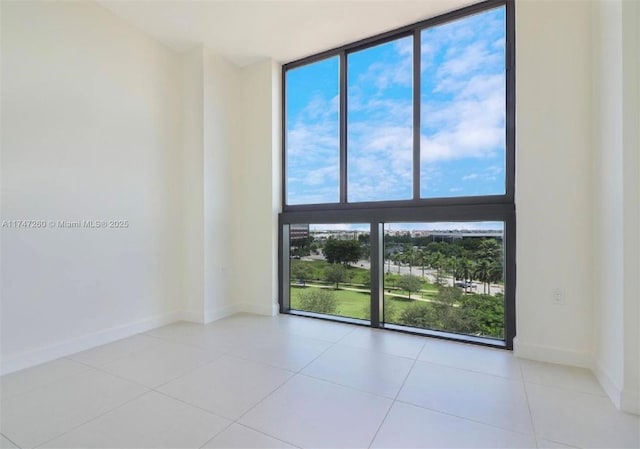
x,y
356,304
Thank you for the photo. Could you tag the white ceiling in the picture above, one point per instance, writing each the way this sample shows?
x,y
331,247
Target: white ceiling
x,y
248,31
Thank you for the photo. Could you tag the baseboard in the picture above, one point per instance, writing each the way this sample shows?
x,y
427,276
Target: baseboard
x,y
192,316
624,399
219,313
551,355
260,309
68,347
610,387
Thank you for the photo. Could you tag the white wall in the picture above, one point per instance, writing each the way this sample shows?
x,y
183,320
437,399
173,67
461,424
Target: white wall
x,y
91,129
222,123
608,193
630,396
616,148
210,140
256,190
553,163
578,189
101,122
638,181
193,184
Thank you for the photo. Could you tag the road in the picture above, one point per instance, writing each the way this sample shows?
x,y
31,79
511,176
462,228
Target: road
x,y
417,271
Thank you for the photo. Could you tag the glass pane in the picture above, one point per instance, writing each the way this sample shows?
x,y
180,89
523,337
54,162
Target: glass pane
x,y
312,128
330,269
380,122
462,92
445,276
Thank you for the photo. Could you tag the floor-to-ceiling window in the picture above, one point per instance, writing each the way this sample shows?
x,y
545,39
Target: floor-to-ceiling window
x,y
398,179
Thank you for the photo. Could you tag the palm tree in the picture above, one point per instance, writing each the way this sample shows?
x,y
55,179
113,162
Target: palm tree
x,y
482,272
409,256
466,269
490,263
422,258
495,273
397,258
436,262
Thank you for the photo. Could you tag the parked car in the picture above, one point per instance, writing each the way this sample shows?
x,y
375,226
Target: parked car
x,y
465,284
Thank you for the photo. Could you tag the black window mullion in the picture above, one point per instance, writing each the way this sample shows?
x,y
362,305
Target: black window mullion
x,y
283,125
377,260
416,114
283,262
510,100
343,127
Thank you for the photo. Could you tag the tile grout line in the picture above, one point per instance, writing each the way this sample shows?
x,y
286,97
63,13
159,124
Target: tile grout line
x,y
465,418
526,395
469,370
330,345
252,429
566,389
154,389
295,373
154,339
93,419
521,380
266,434
10,440
237,420
393,401
147,390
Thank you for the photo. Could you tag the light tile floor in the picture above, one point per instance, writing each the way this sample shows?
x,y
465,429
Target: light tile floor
x,y
279,382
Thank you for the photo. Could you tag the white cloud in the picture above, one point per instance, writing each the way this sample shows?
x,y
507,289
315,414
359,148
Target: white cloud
x,y
470,125
446,226
463,117
313,151
384,75
340,227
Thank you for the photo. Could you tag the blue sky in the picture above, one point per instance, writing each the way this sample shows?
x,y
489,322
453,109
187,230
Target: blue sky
x,y
435,226
462,123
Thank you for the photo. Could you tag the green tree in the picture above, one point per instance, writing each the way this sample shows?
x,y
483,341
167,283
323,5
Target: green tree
x,y
336,273
482,272
365,278
489,249
410,283
418,314
466,267
318,300
390,311
301,246
448,314
437,262
410,257
486,313
422,259
397,258
489,265
442,314
341,251
300,271
391,280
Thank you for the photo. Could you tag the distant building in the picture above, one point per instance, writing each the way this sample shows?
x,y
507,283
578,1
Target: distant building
x,y
297,232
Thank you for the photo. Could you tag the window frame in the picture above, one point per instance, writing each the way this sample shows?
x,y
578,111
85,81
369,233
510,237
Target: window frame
x,y
466,208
